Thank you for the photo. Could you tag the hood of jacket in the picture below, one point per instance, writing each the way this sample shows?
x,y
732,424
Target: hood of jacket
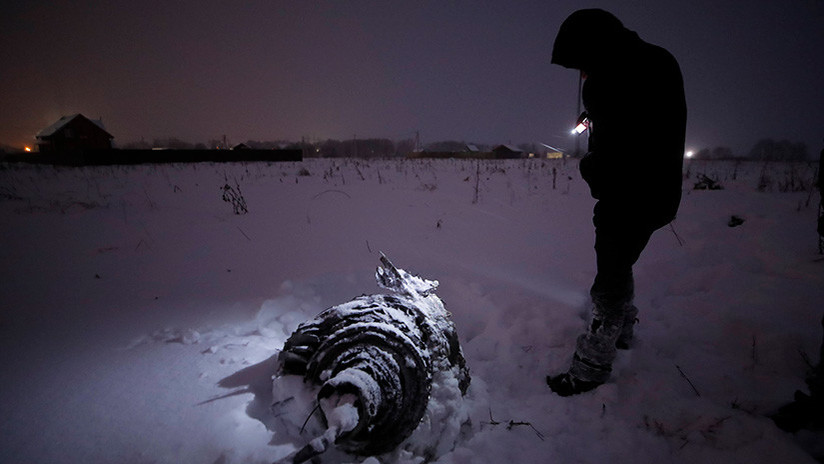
x,y
590,39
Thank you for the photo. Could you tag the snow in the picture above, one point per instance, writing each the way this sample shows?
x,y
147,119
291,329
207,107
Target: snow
x,y
340,412
141,319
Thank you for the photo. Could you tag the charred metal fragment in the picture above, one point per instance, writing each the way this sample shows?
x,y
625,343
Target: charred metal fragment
x,y
372,362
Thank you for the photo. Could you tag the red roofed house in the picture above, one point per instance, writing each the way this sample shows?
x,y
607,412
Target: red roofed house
x,y
74,133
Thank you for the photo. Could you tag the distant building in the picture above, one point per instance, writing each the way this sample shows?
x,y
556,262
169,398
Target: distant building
x,y
552,152
241,146
73,134
507,151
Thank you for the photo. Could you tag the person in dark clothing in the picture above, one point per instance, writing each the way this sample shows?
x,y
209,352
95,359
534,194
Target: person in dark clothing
x,y
631,87
807,411
820,180
820,204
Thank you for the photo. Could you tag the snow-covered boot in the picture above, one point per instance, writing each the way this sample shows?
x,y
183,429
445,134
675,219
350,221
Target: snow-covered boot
x,y
567,385
594,353
628,329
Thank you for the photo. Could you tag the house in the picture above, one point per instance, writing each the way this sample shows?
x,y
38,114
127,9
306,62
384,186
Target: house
x,y
552,152
74,133
507,151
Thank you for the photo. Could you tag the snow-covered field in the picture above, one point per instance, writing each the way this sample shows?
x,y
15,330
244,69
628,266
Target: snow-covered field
x,y
141,318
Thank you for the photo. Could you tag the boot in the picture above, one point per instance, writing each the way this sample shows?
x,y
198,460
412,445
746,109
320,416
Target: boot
x,y
567,385
627,330
594,353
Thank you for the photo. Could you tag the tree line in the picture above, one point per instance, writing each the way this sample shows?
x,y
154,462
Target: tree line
x,y
763,150
330,148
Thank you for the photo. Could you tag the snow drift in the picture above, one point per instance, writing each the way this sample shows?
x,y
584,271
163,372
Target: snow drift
x,y
141,317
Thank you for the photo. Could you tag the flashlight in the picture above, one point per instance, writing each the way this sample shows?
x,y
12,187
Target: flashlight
x,y
581,124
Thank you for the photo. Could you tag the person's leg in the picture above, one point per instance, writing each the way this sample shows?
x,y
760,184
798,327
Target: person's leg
x,y
617,249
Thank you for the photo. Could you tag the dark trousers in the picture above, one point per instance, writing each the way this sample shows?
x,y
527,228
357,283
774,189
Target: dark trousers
x,y
617,248
618,245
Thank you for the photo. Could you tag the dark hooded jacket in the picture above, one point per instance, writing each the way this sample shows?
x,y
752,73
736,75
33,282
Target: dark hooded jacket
x,y
634,97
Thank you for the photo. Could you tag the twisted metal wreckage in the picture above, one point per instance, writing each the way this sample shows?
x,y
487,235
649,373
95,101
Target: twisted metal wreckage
x,y
372,362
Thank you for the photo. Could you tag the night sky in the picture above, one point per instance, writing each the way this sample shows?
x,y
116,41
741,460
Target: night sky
x,y
474,71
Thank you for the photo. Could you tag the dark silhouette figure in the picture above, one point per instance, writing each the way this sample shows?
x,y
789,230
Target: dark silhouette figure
x,y
806,411
634,100
820,204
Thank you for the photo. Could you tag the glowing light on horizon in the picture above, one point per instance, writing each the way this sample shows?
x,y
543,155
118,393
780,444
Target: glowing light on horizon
x,y
689,154
28,149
